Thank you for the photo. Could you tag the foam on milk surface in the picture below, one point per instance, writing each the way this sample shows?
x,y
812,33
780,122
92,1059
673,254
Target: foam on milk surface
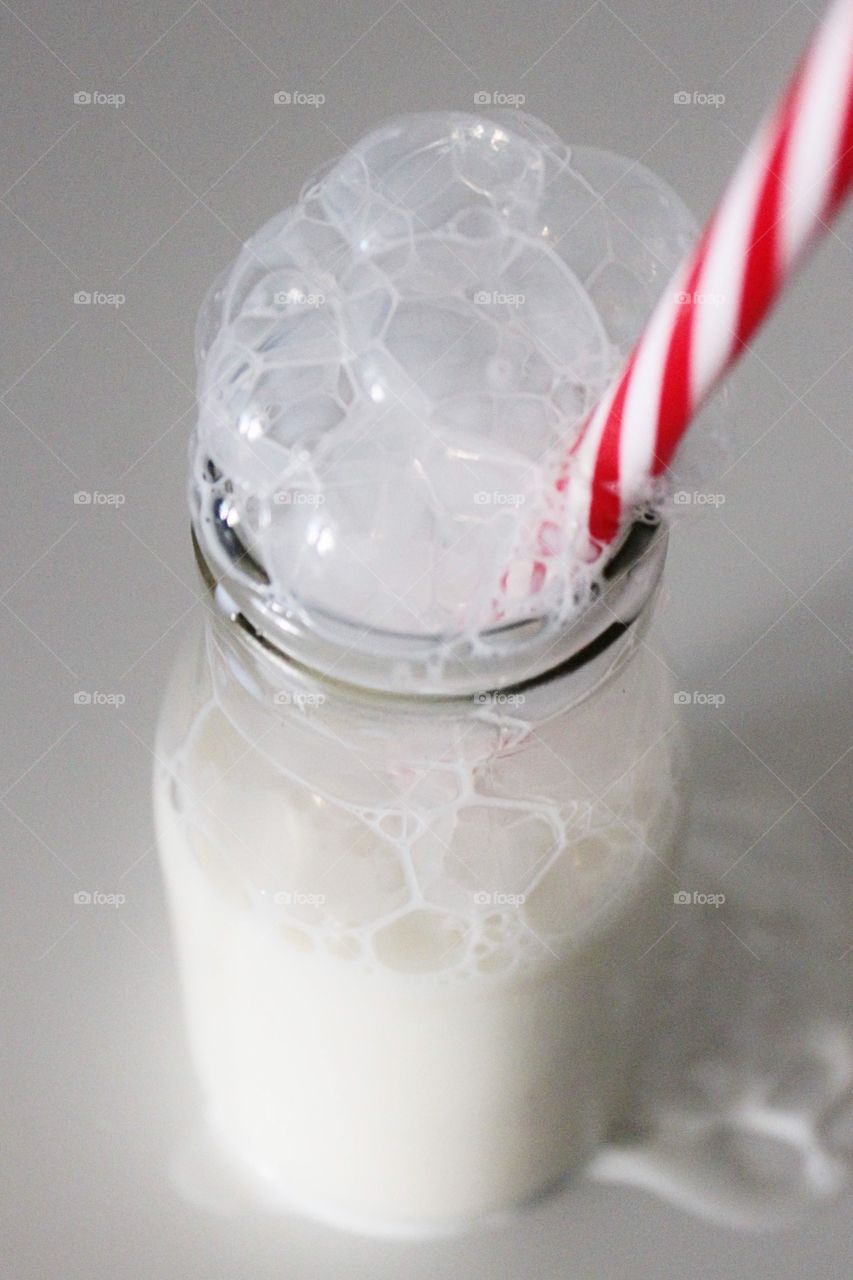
x,y
393,365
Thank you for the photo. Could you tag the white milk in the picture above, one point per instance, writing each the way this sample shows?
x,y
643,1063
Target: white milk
x,y
441,1043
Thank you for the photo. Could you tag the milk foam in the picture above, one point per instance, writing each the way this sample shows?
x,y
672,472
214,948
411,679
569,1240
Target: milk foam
x,y
393,367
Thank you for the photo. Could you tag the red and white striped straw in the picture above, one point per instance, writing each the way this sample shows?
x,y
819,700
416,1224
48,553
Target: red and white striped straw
x,y
791,181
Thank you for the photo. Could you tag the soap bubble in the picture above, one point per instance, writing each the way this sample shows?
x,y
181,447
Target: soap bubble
x,y
390,368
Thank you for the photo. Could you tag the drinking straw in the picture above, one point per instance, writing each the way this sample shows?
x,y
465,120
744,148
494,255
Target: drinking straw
x,y
790,183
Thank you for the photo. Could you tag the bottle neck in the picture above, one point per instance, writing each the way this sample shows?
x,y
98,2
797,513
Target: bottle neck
x,y
592,646
433,666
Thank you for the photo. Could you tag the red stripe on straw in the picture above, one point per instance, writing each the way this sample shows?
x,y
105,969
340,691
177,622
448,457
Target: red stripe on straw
x,y
763,272
605,503
675,406
843,172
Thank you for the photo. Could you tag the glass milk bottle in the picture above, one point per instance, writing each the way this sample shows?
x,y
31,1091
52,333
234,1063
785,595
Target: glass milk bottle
x,y
416,796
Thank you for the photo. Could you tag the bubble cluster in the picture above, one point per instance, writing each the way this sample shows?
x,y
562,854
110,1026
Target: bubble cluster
x,y
447,847
391,366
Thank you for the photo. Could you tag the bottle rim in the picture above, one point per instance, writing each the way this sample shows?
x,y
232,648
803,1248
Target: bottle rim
x,y
510,654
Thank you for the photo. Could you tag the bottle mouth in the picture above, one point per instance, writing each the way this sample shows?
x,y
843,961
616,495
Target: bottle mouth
x,y
508,654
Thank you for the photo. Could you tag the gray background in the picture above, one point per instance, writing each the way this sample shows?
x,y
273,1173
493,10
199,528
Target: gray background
x,y
150,200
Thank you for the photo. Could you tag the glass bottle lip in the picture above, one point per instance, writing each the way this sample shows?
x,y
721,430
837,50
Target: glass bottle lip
x,y
507,655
